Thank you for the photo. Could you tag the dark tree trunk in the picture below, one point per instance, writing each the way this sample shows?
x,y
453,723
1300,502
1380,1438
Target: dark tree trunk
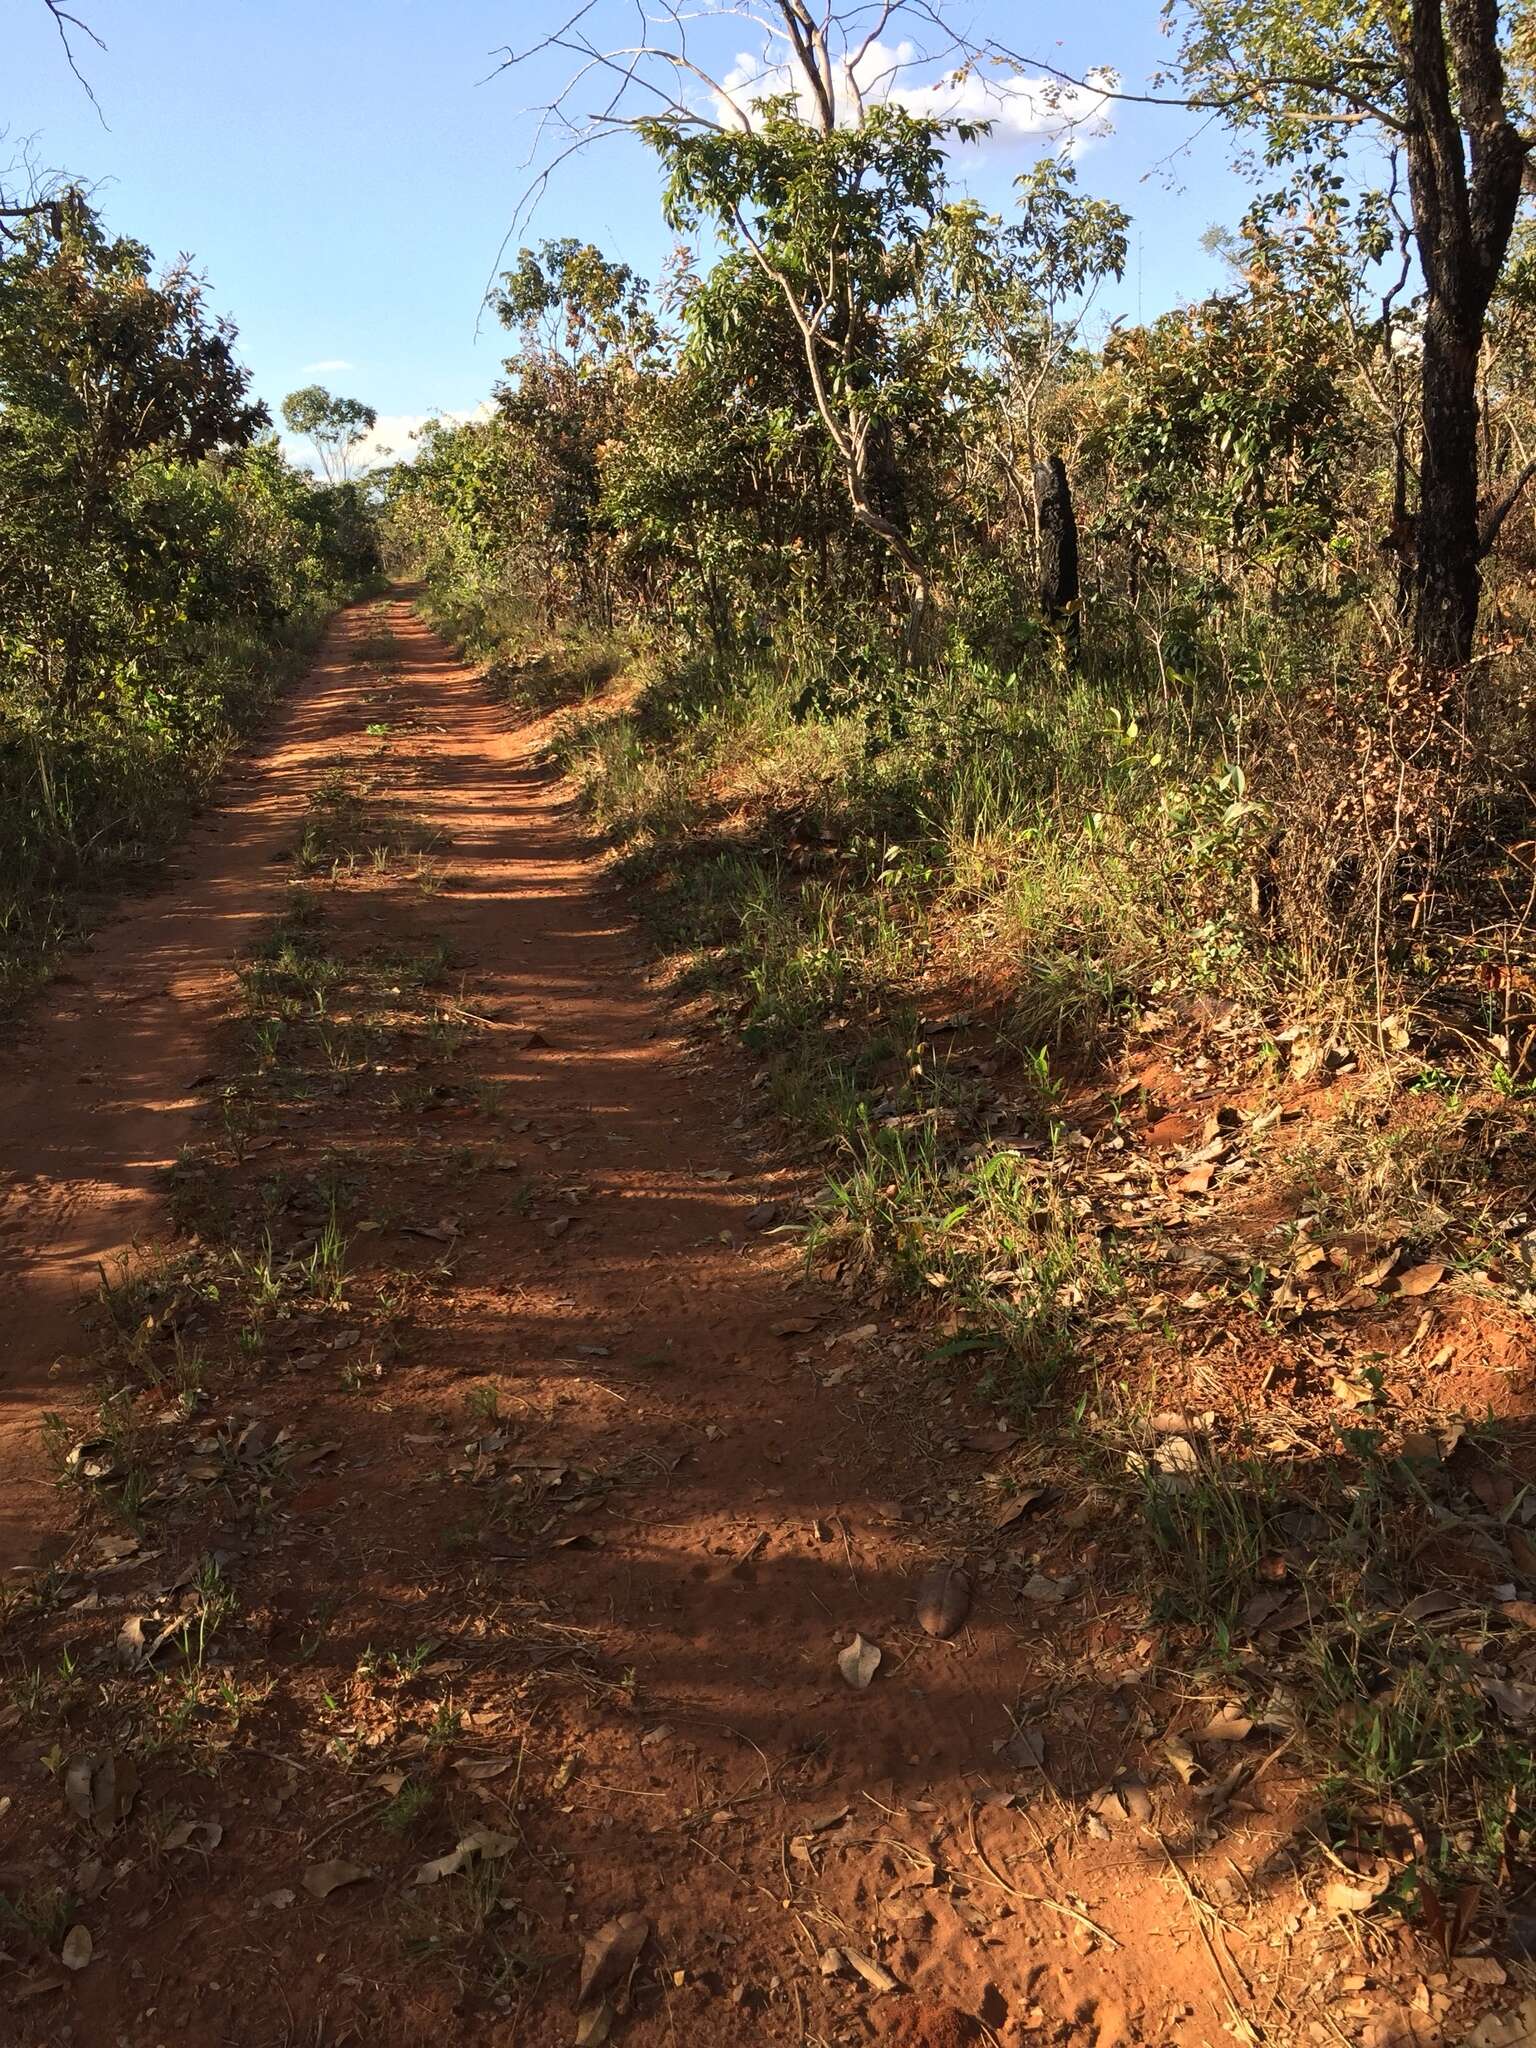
x,y
1466,160
1060,589
1449,580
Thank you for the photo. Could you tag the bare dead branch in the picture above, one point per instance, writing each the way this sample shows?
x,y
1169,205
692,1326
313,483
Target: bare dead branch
x,y
1502,510
64,21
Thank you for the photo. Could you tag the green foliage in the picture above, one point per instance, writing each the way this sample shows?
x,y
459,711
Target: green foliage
x,y
798,481
159,562
113,387
579,300
334,427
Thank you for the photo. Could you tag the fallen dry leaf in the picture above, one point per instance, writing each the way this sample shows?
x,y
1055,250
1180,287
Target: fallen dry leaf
x,y
609,1955
1449,1928
1351,1393
76,1952
1176,1454
1017,1506
478,1770
1513,2029
1481,1970
35,1987
1372,1276
477,1843
205,1835
1182,1757
1418,1279
1263,1606
1183,1422
445,1232
1427,1606
1343,1897
101,1789
594,2023
1024,1749
1494,1488
1126,1799
858,1661
821,1822
990,1440
1171,1467
875,1975
1514,1702
1041,1586
1227,1726
94,1458
439,1867
321,1879
944,1601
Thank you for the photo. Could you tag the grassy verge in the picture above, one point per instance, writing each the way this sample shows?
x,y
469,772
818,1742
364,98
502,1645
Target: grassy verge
x,y
1151,1168
525,667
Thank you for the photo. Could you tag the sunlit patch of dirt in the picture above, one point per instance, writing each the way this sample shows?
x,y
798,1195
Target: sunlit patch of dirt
x,y
456,1548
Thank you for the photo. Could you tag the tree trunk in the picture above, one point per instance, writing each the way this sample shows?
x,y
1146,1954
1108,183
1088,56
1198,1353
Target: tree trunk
x,y
1465,164
1060,587
1448,579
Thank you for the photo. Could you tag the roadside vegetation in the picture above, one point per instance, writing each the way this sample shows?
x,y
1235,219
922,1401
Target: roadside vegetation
x,y
1085,766
1054,750
163,569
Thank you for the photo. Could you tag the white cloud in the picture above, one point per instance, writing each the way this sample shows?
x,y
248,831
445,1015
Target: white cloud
x,y
1017,107
327,363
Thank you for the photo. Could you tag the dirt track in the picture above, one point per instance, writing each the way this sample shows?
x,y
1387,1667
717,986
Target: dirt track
x,y
102,1077
585,1513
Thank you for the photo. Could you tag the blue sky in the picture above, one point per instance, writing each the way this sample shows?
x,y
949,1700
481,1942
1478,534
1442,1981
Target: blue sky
x,y
345,170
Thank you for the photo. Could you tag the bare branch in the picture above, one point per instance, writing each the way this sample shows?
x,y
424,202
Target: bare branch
x,y
1346,81
1502,510
54,208
64,21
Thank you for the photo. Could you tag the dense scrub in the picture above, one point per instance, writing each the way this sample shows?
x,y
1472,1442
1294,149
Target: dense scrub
x,y
1213,768
161,565
1004,880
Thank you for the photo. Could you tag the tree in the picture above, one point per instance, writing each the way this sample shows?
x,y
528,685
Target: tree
x,y
107,375
584,331
841,224
1433,78
333,426
813,173
1028,286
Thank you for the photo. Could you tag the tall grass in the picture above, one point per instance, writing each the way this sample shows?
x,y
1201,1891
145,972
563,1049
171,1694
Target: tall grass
x,y
88,809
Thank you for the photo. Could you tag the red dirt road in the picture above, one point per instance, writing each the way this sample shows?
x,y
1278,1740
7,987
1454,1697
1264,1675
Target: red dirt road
x,y
101,1077
580,1531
